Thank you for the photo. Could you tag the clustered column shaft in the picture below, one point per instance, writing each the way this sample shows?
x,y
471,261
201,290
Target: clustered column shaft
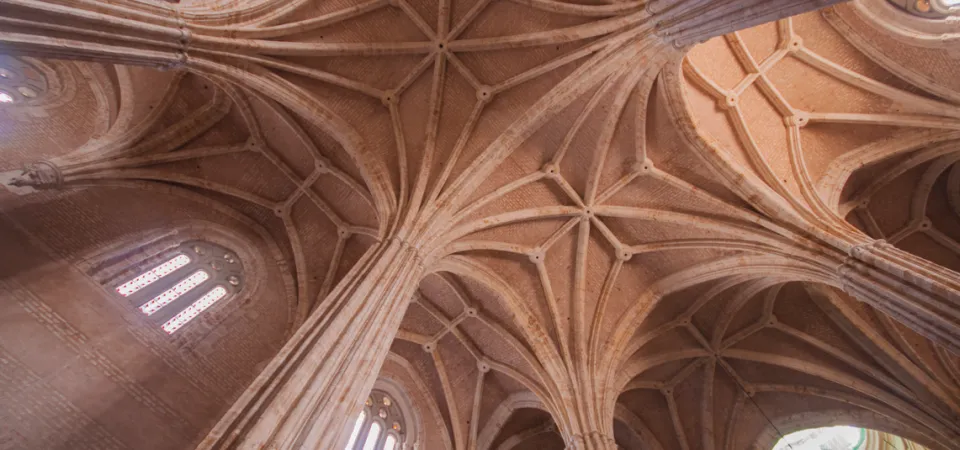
x,y
920,294
310,392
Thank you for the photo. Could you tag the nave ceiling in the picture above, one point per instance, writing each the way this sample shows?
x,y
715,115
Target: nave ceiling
x,y
620,238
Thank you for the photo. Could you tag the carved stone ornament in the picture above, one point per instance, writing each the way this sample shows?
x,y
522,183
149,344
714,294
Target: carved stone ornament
x,y
33,176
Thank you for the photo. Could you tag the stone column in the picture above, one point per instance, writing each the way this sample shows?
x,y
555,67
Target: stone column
x,y
121,32
920,294
688,22
308,395
594,440
584,422
138,33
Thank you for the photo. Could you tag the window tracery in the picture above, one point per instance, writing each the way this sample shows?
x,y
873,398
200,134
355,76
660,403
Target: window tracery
x,y
830,438
379,426
179,284
19,81
844,438
930,8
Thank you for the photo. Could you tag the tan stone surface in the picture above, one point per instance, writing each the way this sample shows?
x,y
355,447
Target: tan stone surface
x,y
550,224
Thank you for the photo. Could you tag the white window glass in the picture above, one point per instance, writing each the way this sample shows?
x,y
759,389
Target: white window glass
x,y
175,292
154,274
391,443
356,430
832,438
372,437
195,309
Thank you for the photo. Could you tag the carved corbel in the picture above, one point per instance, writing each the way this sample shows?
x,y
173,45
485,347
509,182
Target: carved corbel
x,y
34,176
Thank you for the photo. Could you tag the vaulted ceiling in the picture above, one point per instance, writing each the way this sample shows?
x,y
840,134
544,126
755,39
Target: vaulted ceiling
x,y
615,236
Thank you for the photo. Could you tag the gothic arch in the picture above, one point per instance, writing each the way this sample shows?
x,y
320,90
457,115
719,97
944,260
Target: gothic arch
x,y
863,419
241,240
503,412
633,213
106,264
414,425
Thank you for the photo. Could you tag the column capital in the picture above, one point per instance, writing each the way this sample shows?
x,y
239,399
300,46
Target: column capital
x,y
858,251
414,249
593,440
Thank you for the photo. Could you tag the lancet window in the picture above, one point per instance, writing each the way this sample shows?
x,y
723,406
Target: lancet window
x,y
178,285
379,426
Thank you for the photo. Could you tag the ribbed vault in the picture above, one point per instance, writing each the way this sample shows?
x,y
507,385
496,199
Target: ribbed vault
x,y
588,227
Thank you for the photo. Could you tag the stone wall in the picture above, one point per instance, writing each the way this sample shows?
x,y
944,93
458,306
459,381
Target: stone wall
x,y
80,368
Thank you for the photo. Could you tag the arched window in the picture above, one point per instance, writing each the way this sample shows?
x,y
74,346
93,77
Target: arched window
x,y
20,81
380,425
832,438
930,8
176,286
844,438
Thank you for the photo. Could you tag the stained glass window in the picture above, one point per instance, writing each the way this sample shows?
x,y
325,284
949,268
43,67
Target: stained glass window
x,y
21,80
930,8
27,92
379,425
190,279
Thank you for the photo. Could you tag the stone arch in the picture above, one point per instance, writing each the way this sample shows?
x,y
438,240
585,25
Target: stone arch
x,y
106,265
769,436
411,415
241,239
418,414
516,401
